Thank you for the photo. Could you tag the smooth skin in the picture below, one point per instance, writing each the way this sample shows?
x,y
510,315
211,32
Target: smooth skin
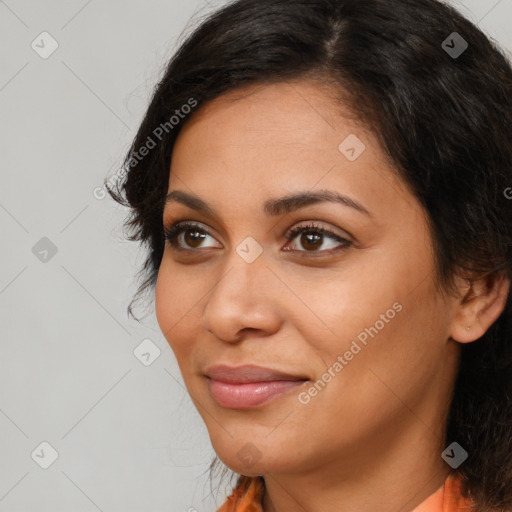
x,y
371,439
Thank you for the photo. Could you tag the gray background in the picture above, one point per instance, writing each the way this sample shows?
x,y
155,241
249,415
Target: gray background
x,y
126,433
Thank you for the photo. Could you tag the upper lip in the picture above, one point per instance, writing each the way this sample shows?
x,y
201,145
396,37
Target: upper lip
x,y
248,373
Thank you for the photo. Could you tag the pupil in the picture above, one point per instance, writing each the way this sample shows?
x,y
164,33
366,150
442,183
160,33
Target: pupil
x,y
312,240
195,239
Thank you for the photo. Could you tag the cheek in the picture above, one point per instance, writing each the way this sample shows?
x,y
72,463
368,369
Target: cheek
x,y
342,307
374,321
391,348
164,307
176,302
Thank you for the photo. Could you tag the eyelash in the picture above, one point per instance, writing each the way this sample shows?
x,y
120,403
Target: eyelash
x,y
172,232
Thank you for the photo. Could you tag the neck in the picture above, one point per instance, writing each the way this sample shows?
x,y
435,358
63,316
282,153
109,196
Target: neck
x,y
397,478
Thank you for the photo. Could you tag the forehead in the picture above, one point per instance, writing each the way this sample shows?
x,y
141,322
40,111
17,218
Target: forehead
x,y
264,140
300,111
290,122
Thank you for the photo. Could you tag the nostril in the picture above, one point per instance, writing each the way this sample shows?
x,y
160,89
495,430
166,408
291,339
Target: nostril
x,y
249,329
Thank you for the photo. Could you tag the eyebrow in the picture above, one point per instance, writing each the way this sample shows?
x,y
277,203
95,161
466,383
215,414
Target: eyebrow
x,y
273,207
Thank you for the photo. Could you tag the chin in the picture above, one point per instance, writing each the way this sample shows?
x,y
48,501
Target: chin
x,y
254,458
252,468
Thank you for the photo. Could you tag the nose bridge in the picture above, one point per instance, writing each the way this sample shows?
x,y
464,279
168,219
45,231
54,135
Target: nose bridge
x,y
244,275
241,298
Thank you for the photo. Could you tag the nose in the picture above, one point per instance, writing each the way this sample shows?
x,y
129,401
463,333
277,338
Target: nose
x,y
245,299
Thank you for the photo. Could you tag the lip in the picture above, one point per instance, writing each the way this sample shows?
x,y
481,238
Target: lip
x,y
248,386
248,373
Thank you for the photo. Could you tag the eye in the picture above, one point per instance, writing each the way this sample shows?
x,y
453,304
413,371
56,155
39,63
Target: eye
x,y
188,236
313,237
190,233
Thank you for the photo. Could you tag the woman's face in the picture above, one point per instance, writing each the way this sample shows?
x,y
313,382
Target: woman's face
x,y
349,318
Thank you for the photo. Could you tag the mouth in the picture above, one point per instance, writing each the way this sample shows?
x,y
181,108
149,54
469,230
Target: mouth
x,y
249,386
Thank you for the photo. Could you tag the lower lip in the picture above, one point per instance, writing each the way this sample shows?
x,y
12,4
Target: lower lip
x,y
251,394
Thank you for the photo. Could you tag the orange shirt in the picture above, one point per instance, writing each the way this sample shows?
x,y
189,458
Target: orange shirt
x,y
247,497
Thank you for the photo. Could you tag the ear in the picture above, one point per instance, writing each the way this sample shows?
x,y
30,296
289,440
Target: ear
x,y
481,303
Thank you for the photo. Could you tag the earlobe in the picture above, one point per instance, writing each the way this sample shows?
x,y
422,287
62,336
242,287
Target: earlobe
x,y
482,302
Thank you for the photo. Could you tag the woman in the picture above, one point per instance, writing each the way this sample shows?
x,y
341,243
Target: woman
x,y
322,187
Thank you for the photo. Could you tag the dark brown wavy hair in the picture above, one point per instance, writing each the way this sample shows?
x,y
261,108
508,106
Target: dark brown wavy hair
x,y
445,121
